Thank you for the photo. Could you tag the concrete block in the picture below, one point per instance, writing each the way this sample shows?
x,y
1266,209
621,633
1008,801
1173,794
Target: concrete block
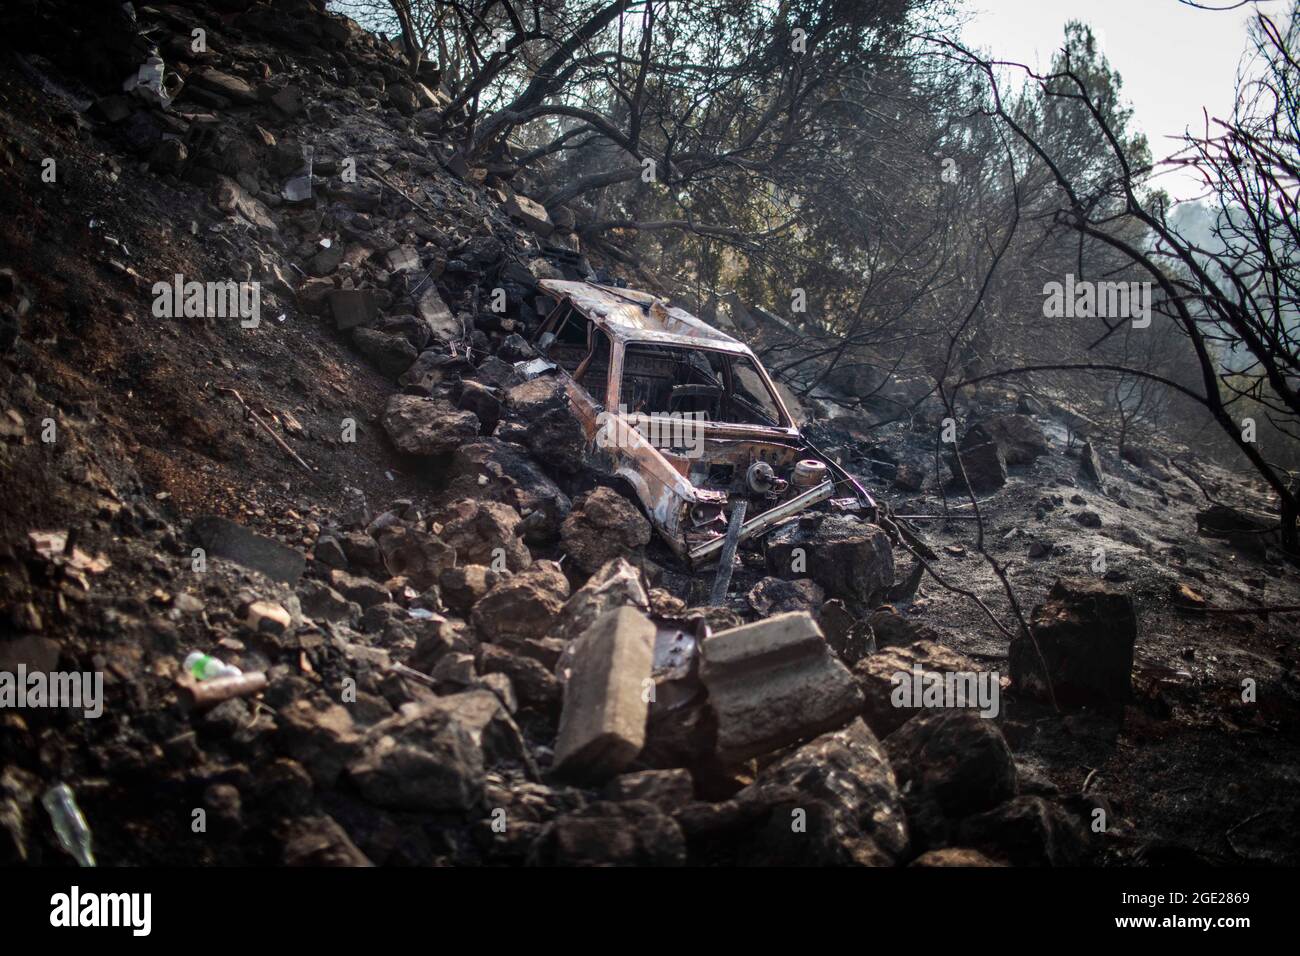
x,y
775,683
602,725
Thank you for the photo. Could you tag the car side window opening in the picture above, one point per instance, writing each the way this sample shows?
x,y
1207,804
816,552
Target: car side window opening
x,y
719,387
568,340
750,391
593,371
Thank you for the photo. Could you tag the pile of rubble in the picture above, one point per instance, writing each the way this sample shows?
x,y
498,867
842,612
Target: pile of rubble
x,y
430,690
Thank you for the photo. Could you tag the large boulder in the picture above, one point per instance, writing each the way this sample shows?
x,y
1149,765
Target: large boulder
x,y
502,471
850,559
427,426
433,755
523,606
484,532
627,833
880,676
951,764
602,725
1085,632
982,459
1090,468
391,354
553,433
223,538
1027,831
603,526
849,770
350,307
416,555
1020,437
1151,461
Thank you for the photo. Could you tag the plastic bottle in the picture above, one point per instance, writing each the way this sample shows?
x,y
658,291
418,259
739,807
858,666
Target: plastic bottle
x,y
69,825
204,667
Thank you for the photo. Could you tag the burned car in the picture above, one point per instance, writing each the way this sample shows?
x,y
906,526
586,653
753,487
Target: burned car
x,y
688,417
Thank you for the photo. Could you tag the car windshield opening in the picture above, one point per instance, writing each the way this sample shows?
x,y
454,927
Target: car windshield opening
x,y
711,386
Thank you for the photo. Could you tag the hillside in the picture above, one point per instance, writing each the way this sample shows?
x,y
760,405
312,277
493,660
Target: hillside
x,y
350,490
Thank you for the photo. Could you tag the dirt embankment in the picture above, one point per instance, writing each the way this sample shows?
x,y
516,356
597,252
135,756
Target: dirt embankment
x,y
408,610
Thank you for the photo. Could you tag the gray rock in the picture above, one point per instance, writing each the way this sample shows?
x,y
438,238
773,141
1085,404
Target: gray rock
x,y
630,833
329,552
1020,438
432,755
603,526
849,770
427,426
982,459
1090,469
522,606
352,307
951,764
223,538
1085,631
391,354
848,558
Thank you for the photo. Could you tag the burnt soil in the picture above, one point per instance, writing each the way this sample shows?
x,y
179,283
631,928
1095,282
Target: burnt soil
x,y
146,443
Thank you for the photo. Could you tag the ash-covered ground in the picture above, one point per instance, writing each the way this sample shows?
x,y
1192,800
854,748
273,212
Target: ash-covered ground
x,y
419,578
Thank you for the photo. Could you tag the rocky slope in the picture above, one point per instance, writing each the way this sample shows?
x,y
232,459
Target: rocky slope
x,y
354,497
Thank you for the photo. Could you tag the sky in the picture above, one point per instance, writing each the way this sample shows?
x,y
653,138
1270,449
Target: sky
x,y
1173,59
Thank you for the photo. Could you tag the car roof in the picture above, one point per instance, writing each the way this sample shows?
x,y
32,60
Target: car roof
x,y
630,315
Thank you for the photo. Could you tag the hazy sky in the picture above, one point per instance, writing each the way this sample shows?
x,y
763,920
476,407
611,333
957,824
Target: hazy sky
x,y
1174,59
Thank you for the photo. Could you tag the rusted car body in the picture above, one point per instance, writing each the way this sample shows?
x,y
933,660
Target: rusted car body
x,y
687,416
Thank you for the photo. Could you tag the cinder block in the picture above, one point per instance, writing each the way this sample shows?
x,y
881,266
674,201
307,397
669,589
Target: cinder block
x,y
602,725
775,683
